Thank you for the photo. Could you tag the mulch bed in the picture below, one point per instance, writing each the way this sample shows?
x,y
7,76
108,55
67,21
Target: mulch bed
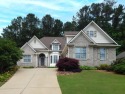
x,y
66,73
105,71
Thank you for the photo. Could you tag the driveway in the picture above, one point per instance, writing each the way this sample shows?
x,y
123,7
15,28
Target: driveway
x,y
32,81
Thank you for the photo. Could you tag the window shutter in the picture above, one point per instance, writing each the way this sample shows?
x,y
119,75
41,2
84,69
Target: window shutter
x,y
51,59
88,33
95,33
59,47
98,53
107,54
51,47
87,52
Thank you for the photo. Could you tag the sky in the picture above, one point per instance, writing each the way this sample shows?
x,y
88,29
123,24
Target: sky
x,y
58,9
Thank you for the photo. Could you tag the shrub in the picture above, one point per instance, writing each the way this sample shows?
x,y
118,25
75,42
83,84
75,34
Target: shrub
x,y
5,76
68,64
118,66
103,67
87,68
9,54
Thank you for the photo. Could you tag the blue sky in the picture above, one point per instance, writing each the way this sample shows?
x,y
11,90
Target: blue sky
x,y
59,9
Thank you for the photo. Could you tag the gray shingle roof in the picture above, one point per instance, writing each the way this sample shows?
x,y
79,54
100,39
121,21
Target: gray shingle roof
x,y
48,40
121,55
71,32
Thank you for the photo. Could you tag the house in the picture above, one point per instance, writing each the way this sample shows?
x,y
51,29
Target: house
x,y
121,55
91,46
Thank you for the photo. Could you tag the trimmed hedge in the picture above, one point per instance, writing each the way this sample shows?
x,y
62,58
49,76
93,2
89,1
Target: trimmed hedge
x,y
68,64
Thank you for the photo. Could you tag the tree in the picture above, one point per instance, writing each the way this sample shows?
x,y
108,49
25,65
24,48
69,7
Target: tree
x,y
22,29
70,26
83,17
13,31
30,27
57,29
9,54
47,25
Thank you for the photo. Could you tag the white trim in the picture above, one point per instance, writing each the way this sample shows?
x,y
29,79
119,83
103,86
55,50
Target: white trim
x,y
81,59
28,45
30,59
55,40
38,40
104,54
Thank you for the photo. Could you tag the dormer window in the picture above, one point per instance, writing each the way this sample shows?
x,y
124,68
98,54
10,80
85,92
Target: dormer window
x,y
55,46
91,33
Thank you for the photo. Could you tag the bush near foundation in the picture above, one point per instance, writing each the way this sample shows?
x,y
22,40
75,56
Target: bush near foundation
x,y
68,64
118,66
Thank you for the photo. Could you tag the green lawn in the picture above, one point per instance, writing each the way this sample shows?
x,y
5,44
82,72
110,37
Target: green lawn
x,y
92,82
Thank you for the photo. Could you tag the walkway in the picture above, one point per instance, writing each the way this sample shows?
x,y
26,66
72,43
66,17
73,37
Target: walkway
x,y
32,81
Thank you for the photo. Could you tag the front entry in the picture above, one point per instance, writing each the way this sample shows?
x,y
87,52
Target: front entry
x,y
41,60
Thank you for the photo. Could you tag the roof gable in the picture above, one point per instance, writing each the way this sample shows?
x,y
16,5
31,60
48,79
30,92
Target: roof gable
x,y
55,41
83,33
26,44
34,42
48,40
102,36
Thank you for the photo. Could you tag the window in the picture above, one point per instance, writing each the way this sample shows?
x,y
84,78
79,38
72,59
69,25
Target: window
x,y
91,33
55,47
27,58
54,58
80,53
102,54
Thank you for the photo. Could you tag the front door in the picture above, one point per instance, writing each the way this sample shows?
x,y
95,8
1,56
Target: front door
x,y
42,61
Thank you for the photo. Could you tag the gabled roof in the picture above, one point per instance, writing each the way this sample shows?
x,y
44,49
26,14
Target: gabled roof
x,y
48,40
26,44
82,32
92,22
71,32
56,41
38,40
121,55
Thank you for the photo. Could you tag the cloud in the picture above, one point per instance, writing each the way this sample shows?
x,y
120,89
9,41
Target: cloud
x,y
59,9
57,5
4,21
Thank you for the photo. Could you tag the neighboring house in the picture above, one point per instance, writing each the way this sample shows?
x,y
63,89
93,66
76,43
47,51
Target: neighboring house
x,y
91,46
121,55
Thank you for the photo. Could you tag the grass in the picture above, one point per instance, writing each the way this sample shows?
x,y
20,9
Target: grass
x,y
92,82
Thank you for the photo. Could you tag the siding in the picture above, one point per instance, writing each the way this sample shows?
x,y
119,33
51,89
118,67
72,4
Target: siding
x,y
81,41
93,56
28,51
110,56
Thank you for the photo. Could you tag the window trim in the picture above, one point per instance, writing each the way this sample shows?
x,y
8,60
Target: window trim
x,y
104,54
53,46
81,53
91,33
30,58
53,58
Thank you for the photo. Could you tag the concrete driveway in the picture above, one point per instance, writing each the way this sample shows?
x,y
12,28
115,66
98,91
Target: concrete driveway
x,y
32,81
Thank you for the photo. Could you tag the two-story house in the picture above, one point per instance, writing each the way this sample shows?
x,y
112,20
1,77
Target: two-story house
x,y
91,46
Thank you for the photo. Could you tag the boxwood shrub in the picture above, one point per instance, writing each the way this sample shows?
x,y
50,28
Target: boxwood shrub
x,y
68,64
